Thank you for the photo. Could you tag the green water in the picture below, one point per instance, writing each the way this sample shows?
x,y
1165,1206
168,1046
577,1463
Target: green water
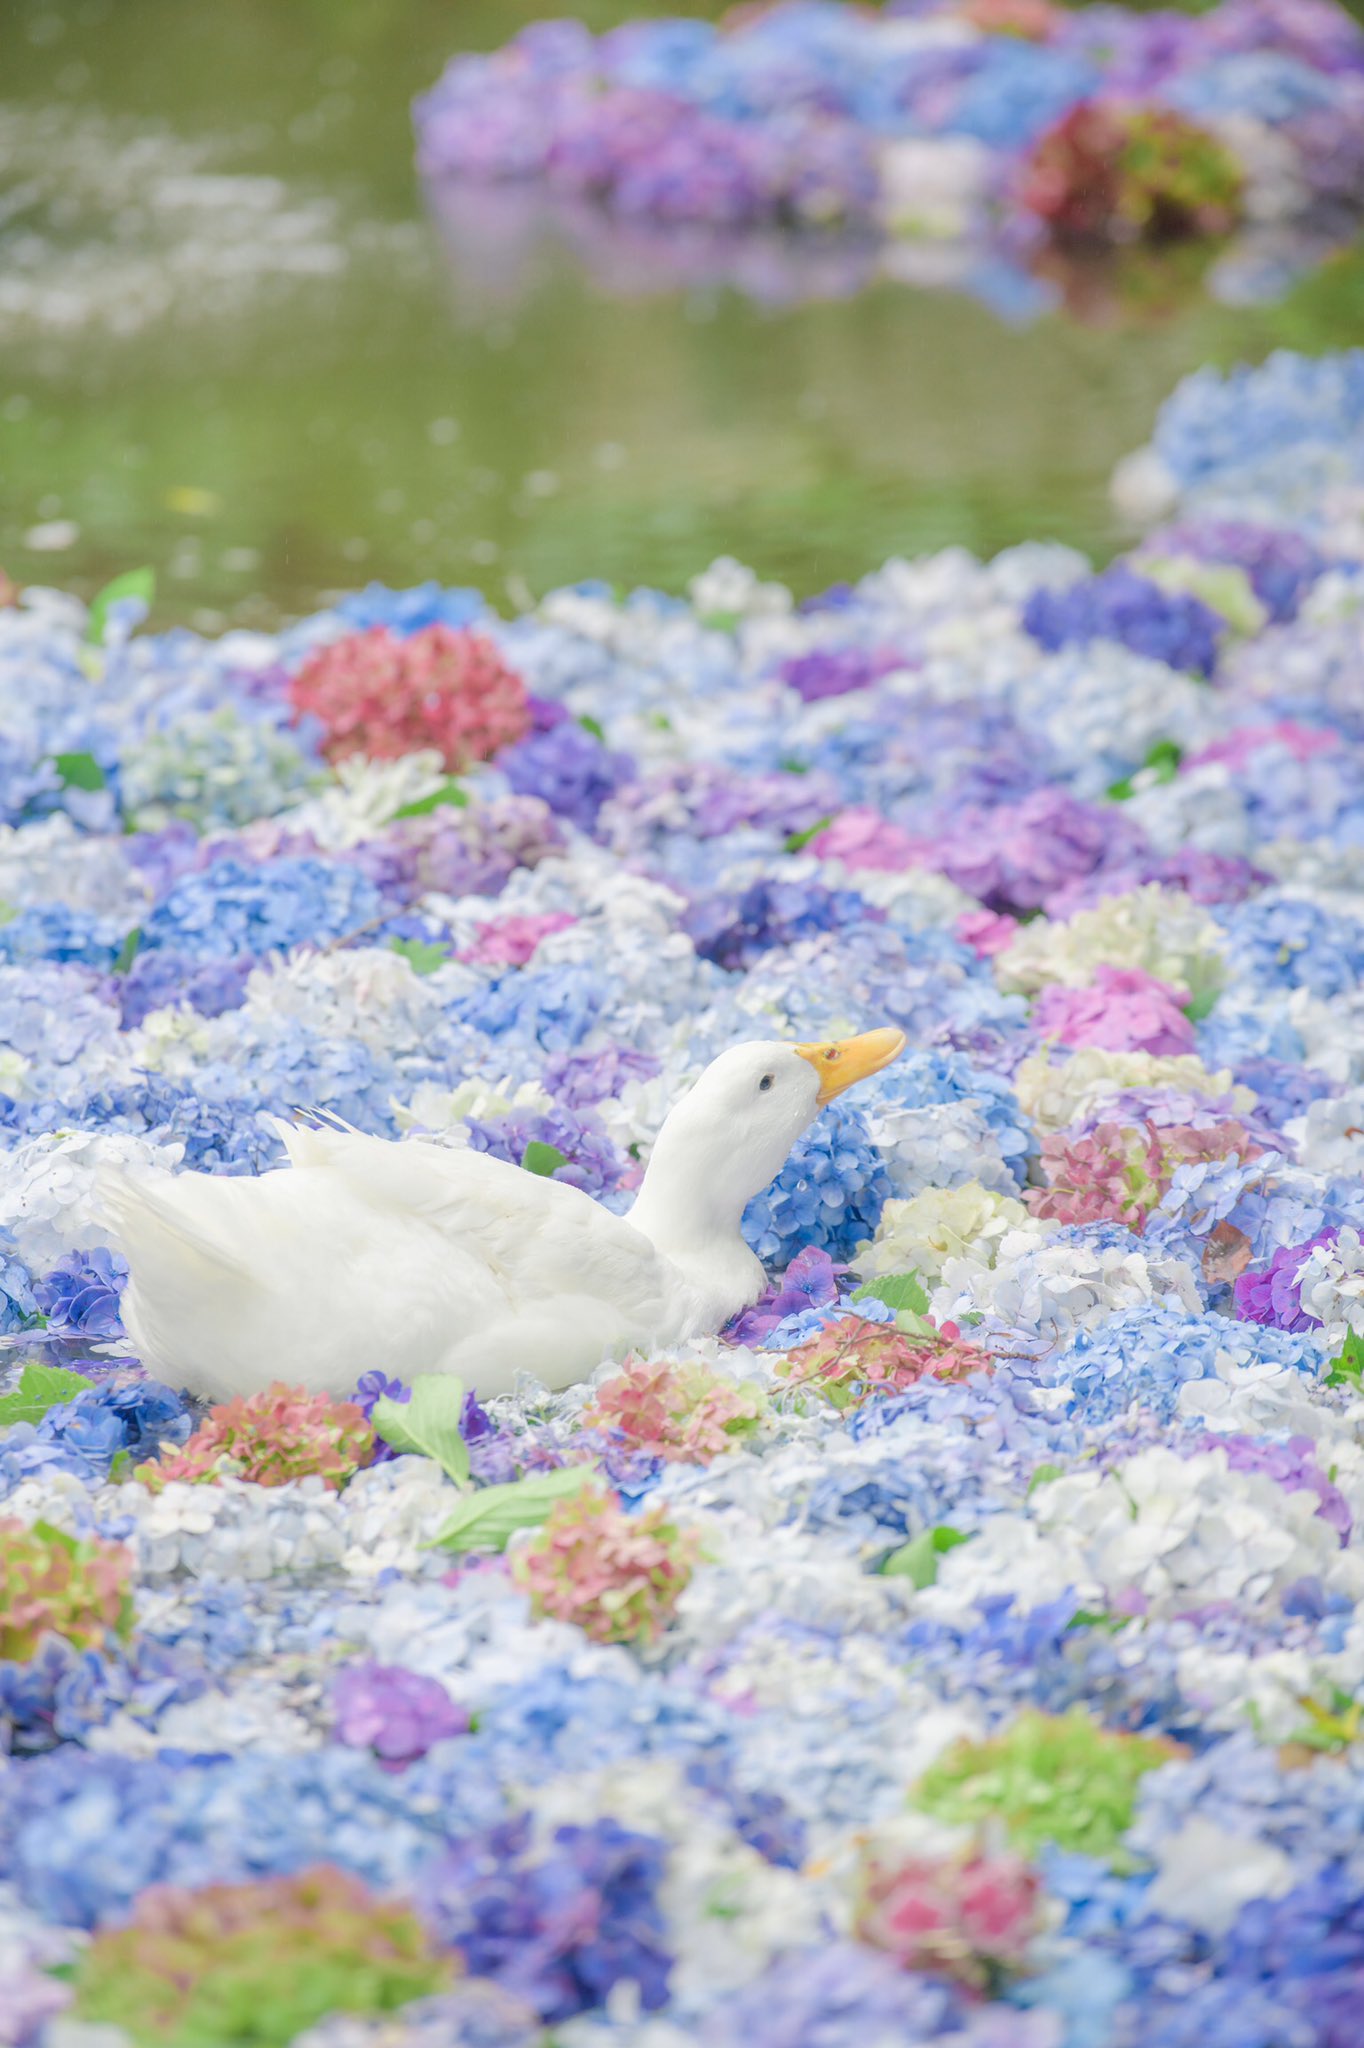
x,y
233,345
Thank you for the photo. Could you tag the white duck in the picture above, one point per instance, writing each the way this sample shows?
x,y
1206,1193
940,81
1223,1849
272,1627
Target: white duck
x,y
416,1258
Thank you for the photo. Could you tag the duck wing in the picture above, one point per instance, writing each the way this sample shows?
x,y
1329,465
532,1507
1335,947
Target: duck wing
x,y
410,1258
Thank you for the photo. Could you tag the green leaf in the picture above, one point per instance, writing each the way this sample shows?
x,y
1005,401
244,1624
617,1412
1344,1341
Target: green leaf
x,y
448,793
40,1387
487,1518
428,1424
79,771
722,622
1122,790
594,726
1090,1617
121,1466
127,952
139,583
798,840
1042,1475
897,1291
543,1159
917,1560
1200,1006
1164,757
424,956
1347,1369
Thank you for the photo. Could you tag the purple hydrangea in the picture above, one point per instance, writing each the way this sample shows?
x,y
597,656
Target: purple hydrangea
x,y
1118,605
160,980
580,1079
1291,1465
591,1162
569,769
834,671
560,1926
1271,1295
395,1713
734,931
1282,566
810,1281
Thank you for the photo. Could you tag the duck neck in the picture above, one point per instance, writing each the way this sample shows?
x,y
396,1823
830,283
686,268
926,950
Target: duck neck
x,y
690,1209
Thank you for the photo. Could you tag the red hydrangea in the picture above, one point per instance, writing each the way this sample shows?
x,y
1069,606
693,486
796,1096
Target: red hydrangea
x,y
280,1434
853,1360
1130,173
442,688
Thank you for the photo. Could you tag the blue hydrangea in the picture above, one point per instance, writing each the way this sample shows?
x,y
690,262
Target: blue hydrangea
x,y
568,768
829,1194
735,930
1287,942
552,1007
52,932
18,1303
591,1162
232,908
408,611
1142,1357
80,1296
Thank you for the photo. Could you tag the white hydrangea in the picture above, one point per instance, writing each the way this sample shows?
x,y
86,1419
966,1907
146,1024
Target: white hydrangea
x,y
1328,1137
1259,1398
390,1512
1103,707
1205,1874
48,1200
1160,930
1332,1033
50,861
230,1529
1267,1690
728,587
259,1715
942,1144
1165,1528
1331,1287
1202,808
1038,1293
365,992
363,797
914,899
1068,1091
921,1233
447,1112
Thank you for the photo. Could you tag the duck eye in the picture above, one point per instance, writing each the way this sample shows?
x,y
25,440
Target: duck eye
x,y
766,1082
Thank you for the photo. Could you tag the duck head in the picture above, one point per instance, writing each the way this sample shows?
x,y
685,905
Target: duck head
x,y
729,1137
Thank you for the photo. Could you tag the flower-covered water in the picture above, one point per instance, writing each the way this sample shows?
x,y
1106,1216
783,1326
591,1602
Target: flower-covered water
x,y
967,1645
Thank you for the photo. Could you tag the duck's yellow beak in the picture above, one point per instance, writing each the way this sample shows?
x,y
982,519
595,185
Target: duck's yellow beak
x,y
841,1061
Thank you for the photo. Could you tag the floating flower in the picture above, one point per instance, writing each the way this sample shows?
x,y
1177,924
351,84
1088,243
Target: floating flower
x,y
223,1963
1048,1778
51,1583
971,1915
441,687
617,1576
395,1713
854,1360
280,1434
681,1413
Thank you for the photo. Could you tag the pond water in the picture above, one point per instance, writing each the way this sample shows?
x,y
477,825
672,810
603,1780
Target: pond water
x,y
236,346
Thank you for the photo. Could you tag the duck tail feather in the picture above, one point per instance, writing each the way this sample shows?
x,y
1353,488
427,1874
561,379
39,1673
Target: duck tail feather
x,y
140,1216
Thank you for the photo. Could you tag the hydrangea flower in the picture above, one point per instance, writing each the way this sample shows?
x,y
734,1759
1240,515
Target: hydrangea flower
x,y
558,1924
224,1961
1126,1010
854,1360
1048,1778
81,1295
971,1915
676,1411
280,1434
395,1713
617,1576
53,1583
441,687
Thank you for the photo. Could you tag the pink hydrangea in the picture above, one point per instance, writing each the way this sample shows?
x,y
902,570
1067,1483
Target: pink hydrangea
x,y
379,695
853,1360
862,838
1119,1172
986,932
511,941
685,1414
280,1434
1126,1010
617,1576
971,1916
